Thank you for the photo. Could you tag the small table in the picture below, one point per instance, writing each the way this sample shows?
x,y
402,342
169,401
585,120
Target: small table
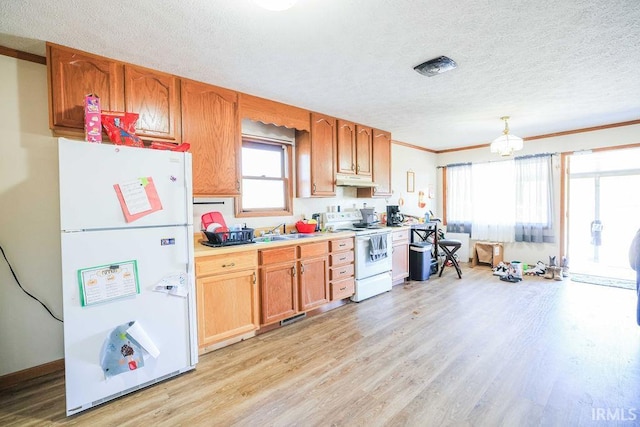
x,y
422,232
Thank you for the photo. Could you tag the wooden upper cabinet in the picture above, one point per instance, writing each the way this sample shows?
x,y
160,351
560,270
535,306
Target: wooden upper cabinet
x,y
316,158
364,143
210,123
346,147
155,97
72,75
381,166
272,112
323,155
354,152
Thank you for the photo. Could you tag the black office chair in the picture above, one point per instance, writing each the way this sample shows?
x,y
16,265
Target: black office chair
x,y
450,247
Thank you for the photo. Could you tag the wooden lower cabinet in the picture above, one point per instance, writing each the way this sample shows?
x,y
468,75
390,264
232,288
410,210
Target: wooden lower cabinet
x,y
293,279
278,292
314,283
400,255
227,297
341,268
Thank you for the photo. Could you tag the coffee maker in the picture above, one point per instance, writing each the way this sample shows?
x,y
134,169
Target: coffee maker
x,y
394,217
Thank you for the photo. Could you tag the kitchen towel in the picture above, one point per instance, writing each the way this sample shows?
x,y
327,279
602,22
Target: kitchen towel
x,y
377,246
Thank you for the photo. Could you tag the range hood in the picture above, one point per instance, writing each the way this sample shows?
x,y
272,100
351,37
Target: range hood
x,y
354,181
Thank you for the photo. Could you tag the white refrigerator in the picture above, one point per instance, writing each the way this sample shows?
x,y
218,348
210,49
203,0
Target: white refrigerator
x,y
126,220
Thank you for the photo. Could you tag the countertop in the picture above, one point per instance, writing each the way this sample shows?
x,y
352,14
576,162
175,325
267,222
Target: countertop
x,y
202,250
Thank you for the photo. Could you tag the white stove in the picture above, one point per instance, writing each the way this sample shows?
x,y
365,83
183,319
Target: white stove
x,y
372,252
351,221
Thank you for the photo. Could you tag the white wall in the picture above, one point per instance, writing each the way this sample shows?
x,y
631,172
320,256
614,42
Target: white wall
x,y
29,220
530,252
423,164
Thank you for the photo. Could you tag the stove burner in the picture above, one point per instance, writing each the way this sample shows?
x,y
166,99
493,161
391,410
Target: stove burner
x,y
365,225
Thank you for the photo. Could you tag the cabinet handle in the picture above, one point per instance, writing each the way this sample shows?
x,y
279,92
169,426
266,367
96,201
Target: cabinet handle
x,y
293,271
342,245
358,169
343,289
254,278
343,272
301,268
237,185
314,187
343,258
229,265
353,167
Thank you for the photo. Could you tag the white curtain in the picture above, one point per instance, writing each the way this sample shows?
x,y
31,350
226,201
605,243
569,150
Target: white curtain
x,y
459,198
534,210
494,201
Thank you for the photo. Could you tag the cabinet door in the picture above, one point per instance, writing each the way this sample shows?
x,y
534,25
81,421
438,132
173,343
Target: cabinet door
x,y
211,125
154,96
400,262
323,155
314,283
278,292
346,144
381,166
364,142
72,75
227,306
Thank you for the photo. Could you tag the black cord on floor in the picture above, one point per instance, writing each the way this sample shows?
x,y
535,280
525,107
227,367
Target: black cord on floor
x,y
23,290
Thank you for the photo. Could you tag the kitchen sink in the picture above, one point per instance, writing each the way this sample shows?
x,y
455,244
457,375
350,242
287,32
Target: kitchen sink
x,y
298,235
281,237
264,239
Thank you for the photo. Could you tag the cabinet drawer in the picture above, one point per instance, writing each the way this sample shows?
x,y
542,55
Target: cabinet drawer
x,y
342,289
225,263
342,272
341,244
276,255
313,249
341,258
400,235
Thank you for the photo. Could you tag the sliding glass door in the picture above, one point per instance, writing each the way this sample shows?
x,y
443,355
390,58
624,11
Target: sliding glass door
x,y
603,211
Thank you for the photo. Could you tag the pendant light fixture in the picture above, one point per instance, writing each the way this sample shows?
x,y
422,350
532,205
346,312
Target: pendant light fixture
x,y
275,5
506,143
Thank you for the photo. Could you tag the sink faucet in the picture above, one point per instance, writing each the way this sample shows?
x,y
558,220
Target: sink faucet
x,y
274,229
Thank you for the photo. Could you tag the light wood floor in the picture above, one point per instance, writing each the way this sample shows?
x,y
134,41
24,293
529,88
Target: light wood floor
x,y
476,351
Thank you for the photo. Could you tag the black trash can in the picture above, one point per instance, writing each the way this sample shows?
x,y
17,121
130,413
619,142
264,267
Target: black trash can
x,y
420,260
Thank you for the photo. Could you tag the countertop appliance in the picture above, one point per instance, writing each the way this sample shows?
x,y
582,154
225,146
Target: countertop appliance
x,y
372,253
126,222
394,217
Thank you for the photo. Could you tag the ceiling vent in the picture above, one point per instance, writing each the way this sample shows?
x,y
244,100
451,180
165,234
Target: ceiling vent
x,y
436,66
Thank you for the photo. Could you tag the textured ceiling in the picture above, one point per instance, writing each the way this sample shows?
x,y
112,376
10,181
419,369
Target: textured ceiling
x,y
551,66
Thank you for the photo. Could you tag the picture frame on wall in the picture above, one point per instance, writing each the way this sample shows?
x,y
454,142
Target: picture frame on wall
x,y
411,182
